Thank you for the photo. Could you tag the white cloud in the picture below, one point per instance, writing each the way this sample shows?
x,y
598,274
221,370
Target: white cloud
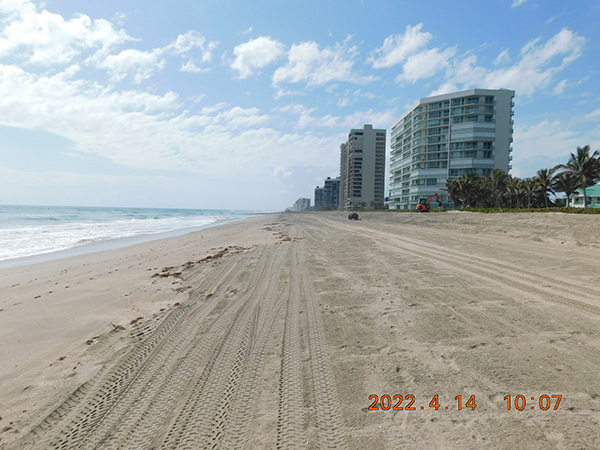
x,y
349,98
141,64
256,54
191,67
553,18
593,115
145,131
409,50
537,68
544,145
248,31
306,120
425,64
560,87
307,62
119,18
45,39
550,142
192,40
41,38
503,57
396,49
280,170
517,3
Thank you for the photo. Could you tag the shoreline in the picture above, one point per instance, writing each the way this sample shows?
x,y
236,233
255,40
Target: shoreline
x,y
54,318
110,244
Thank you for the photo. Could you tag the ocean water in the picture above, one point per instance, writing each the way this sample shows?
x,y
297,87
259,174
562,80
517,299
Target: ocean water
x,y
37,230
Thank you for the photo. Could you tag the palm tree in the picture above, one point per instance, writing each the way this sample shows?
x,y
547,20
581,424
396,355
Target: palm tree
x,y
453,190
470,189
512,189
496,182
527,190
544,181
566,182
584,167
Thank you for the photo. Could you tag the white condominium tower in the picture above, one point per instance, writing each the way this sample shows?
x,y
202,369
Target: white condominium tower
x,y
445,137
362,169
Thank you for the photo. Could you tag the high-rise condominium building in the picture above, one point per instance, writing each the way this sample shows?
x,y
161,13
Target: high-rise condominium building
x,y
445,137
362,168
328,196
301,204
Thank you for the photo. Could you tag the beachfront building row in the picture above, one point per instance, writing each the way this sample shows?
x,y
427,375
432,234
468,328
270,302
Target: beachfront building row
x,y
362,169
328,196
447,136
302,204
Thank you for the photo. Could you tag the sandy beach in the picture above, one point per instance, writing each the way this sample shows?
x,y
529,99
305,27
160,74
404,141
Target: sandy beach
x,y
464,330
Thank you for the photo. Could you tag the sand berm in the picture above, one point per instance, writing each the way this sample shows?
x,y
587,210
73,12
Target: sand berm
x,y
464,330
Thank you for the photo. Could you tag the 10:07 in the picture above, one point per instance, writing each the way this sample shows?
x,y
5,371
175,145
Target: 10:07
x,y
543,402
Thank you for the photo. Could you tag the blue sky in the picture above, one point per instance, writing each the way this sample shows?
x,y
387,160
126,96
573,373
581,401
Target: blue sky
x,y
243,105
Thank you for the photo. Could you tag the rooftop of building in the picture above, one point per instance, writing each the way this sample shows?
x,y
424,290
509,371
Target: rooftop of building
x,y
592,191
450,96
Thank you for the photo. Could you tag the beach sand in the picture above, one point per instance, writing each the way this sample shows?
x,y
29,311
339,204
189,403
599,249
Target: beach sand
x,y
279,331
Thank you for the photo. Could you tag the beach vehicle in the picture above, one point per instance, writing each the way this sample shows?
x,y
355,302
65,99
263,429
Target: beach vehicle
x,y
353,216
424,205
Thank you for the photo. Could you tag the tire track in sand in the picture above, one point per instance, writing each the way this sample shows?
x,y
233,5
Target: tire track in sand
x,y
90,418
214,414
514,277
323,419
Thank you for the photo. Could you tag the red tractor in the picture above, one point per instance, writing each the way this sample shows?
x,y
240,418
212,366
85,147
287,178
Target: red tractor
x,y
424,205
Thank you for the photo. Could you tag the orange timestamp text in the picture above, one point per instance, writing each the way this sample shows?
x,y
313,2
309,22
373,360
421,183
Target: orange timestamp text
x,y
386,402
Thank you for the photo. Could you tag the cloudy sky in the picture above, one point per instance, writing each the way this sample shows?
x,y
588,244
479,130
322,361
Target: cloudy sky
x,y
242,105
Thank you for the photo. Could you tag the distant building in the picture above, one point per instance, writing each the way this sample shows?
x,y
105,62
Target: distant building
x,y
362,168
301,204
445,137
319,197
593,197
328,196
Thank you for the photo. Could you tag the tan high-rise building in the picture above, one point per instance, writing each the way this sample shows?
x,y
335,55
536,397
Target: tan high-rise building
x,y
362,169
